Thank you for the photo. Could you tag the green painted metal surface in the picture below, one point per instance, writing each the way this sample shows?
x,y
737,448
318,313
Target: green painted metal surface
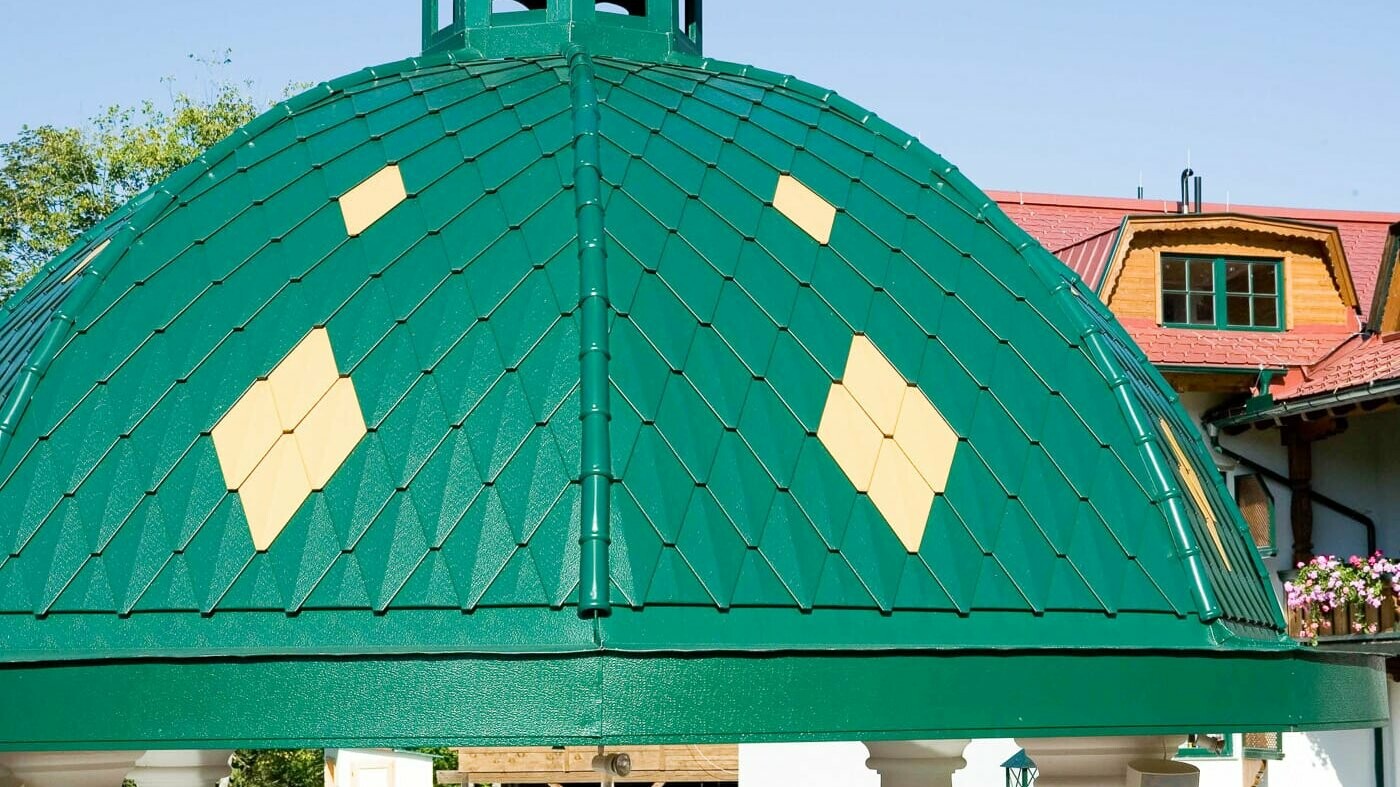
x,y
592,358
623,700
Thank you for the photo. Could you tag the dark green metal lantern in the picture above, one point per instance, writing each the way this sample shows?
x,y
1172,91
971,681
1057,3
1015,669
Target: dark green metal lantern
x,y
561,385
1020,770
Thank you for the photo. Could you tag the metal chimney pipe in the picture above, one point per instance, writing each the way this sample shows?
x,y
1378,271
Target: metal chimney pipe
x,y
1186,189
1199,203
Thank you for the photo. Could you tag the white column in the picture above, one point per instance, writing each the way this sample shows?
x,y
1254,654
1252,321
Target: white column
x,y
916,763
70,769
1094,762
182,768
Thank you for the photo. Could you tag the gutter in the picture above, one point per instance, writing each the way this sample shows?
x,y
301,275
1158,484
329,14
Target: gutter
x,y
1373,390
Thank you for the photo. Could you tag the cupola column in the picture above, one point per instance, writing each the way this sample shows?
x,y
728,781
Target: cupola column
x,y
183,768
1094,762
916,763
69,769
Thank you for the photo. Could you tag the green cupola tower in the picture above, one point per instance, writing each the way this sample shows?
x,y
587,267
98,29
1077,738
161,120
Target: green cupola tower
x,y
655,30
558,385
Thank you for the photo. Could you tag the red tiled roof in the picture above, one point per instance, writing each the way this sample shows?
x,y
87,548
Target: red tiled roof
x,y
1073,228
1302,346
1356,363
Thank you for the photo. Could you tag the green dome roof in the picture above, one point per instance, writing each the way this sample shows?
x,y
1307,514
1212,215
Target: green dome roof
x,y
320,395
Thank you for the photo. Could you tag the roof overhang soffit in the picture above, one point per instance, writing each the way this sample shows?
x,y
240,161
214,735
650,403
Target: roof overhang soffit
x,y
1187,224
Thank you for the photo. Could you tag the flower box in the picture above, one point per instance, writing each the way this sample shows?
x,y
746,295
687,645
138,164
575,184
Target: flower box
x,y
1330,598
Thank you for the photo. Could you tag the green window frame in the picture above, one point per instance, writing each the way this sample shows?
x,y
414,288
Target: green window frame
x,y
1223,293
1227,752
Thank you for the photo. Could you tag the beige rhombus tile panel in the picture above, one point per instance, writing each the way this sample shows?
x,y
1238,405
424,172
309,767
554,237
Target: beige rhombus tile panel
x,y
330,432
368,202
274,492
287,435
927,439
303,377
805,208
901,495
246,433
92,255
1196,491
877,386
850,436
889,439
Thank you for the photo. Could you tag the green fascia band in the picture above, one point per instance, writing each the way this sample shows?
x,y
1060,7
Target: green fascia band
x,y
595,472
621,700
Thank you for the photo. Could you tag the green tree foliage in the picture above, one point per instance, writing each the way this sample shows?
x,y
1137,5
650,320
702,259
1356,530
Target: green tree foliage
x,y
55,183
278,768
303,767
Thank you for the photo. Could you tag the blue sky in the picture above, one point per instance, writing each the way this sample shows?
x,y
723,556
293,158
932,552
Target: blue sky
x,y
1285,102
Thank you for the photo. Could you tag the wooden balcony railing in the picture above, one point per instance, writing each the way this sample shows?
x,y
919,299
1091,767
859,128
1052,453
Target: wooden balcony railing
x,y
1350,622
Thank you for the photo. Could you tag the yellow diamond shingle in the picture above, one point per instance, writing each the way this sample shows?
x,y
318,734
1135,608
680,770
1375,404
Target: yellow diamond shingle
x,y
889,439
287,435
901,495
927,439
303,377
874,382
246,433
92,255
1197,491
274,492
330,432
805,208
368,202
849,436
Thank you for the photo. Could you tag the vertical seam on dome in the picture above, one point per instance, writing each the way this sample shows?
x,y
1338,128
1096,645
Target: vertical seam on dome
x,y
595,461
1188,549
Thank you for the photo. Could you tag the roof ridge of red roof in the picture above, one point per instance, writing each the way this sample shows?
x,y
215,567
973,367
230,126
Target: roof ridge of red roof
x,y
1130,204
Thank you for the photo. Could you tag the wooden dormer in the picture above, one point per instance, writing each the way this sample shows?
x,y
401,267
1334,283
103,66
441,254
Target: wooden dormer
x,y
1385,306
1311,280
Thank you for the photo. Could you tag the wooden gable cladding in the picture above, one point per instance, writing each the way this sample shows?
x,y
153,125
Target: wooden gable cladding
x,y
1385,310
1317,285
573,765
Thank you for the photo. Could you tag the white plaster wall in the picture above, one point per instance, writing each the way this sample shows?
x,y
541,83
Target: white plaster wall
x,y
805,764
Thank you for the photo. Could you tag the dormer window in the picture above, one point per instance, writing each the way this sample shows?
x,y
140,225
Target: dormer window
x,y
1228,293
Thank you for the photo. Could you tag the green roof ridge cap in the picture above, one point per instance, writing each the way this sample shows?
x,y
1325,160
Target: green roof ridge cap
x,y
595,449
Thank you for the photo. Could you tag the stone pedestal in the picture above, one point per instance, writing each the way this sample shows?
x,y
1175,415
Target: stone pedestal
x,y
916,763
1094,762
183,768
70,769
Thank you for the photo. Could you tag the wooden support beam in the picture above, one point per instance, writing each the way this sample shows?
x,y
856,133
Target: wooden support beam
x,y
1299,445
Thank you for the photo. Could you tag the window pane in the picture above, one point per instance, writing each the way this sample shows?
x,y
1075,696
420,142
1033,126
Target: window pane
x,y
1173,274
1237,277
1202,276
1237,311
1173,308
1266,312
1265,279
1202,308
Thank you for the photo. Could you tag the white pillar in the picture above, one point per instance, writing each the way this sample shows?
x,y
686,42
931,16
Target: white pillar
x,y
1094,762
916,763
181,768
70,769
